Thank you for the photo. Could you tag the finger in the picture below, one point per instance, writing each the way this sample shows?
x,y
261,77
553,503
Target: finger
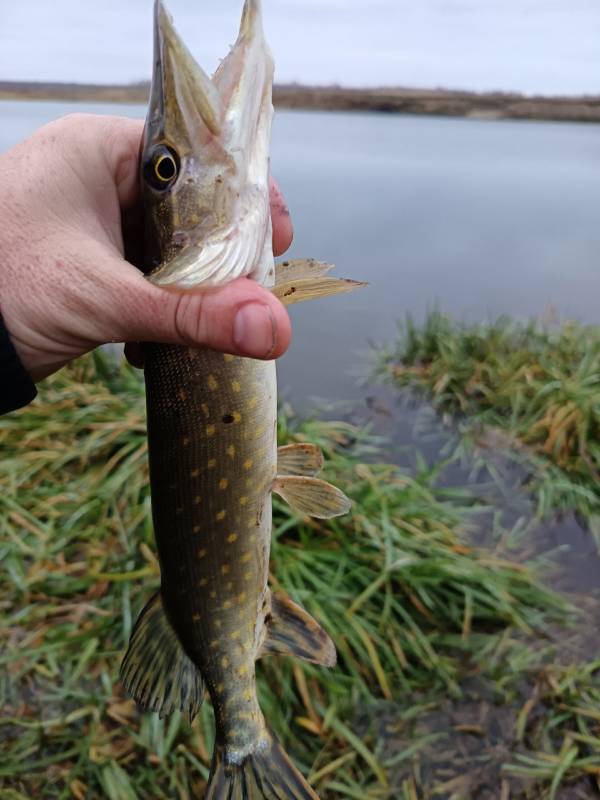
x,y
241,318
283,229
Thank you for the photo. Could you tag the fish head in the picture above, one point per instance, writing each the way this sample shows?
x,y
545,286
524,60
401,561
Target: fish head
x,y
205,160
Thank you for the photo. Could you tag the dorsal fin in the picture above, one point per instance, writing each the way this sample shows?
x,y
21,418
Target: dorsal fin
x,y
156,671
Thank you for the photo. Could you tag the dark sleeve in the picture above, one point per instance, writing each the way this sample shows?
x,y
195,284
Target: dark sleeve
x,y
16,387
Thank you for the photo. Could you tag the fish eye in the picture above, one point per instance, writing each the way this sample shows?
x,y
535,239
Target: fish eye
x,y
162,168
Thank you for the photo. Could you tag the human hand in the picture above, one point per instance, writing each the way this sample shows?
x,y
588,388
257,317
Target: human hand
x,y
65,287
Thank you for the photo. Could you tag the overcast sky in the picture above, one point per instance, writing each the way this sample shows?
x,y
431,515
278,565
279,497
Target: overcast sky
x,y
532,46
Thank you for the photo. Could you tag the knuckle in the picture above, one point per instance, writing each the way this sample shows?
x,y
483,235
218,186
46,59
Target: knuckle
x,y
188,322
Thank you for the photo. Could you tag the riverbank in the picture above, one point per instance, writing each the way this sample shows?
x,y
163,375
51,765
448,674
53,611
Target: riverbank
x,y
436,102
461,672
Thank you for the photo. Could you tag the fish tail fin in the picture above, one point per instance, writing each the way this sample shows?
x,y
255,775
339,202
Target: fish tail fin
x,y
266,774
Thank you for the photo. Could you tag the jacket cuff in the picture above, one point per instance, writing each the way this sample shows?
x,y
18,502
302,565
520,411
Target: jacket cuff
x,y
16,387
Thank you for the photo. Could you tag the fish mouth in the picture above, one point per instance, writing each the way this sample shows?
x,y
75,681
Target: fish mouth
x,y
221,126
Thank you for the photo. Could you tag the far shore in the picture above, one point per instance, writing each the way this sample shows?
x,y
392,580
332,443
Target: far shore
x,y
440,102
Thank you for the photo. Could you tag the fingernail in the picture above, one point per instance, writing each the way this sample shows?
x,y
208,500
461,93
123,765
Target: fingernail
x,y
255,331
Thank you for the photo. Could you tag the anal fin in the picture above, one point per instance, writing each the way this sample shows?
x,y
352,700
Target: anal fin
x,y
156,670
312,496
291,631
302,280
300,459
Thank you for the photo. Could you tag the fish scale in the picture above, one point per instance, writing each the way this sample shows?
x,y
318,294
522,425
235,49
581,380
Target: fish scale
x,y
212,424
211,419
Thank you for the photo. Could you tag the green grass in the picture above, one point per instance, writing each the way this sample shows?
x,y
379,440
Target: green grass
x,y
519,387
416,611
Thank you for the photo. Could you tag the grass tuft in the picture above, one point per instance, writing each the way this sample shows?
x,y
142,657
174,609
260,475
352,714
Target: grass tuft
x,y
516,386
416,611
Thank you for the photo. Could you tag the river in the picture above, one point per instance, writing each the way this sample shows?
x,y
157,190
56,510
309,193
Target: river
x,y
479,218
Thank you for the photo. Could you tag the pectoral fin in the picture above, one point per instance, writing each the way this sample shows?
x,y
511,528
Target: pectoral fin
x,y
156,671
291,631
299,281
299,459
311,496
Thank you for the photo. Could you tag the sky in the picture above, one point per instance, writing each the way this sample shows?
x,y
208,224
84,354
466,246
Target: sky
x,y
531,46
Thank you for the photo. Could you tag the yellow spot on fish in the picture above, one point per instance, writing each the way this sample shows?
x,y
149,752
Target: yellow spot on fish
x,y
246,558
228,357
235,635
213,383
229,586
197,500
232,538
237,417
236,386
205,410
225,569
231,450
223,483
241,598
182,396
201,553
248,695
196,529
227,605
225,663
214,644
196,617
221,516
243,671
244,501
212,463
211,430
220,688
252,403
218,624
248,463
203,582
213,595
195,473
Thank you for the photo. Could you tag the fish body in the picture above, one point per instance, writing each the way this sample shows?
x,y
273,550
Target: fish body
x,y
213,456
212,418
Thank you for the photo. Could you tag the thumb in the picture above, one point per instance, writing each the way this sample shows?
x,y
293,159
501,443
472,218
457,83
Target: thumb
x,y
242,318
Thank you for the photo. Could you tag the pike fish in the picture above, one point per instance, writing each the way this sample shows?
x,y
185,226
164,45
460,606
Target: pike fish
x,y
212,427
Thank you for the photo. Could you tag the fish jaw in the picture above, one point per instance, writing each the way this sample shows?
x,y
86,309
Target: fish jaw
x,y
212,224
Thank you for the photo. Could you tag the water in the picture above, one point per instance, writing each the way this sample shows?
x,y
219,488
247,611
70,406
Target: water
x,y
480,218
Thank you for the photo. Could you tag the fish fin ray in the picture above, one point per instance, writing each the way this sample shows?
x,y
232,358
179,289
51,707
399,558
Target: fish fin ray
x,y
266,774
291,631
302,280
300,269
314,289
156,670
300,459
312,496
